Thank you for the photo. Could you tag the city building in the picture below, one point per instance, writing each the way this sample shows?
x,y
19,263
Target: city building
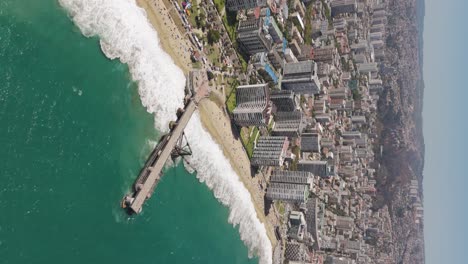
x,y
310,143
375,86
323,69
361,47
295,251
273,30
317,167
296,33
358,119
290,186
320,106
327,143
252,36
339,93
260,62
311,217
340,24
299,7
338,260
284,101
301,77
295,48
289,56
328,54
323,118
289,124
344,223
297,226
367,67
351,247
270,151
351,134
235,5
297,20
360,58
292,177
253,105
339,7
275,58
287,192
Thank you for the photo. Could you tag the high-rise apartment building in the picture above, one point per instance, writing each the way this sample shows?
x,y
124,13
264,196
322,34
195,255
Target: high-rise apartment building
x,y
235,5
301,77
253,105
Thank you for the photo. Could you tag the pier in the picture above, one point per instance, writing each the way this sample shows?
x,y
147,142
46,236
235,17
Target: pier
x,y
174,144
170,145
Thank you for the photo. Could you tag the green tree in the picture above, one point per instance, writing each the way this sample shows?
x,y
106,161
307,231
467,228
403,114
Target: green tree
x,y
201,20
400,212
213,36
266,77
356,95
210,76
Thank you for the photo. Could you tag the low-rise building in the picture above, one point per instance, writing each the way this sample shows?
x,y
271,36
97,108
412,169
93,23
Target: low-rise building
x,y
260,62
296,49
328,54
295,251
310,143
351,134
338,260
344,223
275,58
358,119
367,67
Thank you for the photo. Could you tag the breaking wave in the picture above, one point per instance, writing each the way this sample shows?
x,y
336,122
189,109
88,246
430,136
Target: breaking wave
x,y
126,34
216,172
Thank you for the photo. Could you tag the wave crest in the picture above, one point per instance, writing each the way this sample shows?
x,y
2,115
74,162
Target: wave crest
x,y
126,34
216,172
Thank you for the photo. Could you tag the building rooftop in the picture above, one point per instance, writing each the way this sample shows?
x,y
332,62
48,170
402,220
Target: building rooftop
x,y
294,177
270,151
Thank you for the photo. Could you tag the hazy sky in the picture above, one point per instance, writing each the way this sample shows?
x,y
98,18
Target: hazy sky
x,y
445,127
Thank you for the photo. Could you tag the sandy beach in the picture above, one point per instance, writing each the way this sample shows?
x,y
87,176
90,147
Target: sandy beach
x,y
213,117
171,39
218,124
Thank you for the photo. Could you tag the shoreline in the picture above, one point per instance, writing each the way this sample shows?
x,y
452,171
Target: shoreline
x,y
169,38
212,116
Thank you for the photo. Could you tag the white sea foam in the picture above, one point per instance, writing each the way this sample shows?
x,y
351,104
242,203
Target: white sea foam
x,y
125,34
215,171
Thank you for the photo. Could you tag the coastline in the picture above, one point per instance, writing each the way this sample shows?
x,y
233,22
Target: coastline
x,y
169,37
213,118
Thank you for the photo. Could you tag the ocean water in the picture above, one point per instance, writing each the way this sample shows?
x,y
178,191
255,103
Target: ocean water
x,y
75,128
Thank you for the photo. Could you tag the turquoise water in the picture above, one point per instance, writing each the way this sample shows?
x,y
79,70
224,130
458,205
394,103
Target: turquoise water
x,y
73,136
